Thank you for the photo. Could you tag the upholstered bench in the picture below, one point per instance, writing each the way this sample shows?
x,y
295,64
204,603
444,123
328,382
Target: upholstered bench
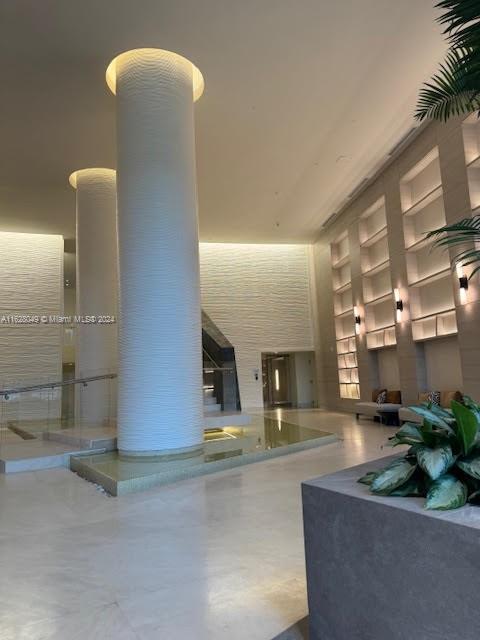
x,y
445,398
387,412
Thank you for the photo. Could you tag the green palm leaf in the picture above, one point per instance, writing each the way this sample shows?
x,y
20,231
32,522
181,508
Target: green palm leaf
x,y
464,232
454,90
461,18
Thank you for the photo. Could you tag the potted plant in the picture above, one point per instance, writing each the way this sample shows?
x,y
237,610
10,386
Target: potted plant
x,y
443,461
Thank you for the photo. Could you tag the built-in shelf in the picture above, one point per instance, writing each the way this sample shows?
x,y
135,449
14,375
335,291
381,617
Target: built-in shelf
x,y
424,264
381,266
342,301
377,284
427,199
342,276
343,287
435,326
382,338
420,244
381,299
342,262
381,233
376,278
433,277
374,253
474,164
471,138
471,143
426,218
348,376
431,297
345,313
340,250
421,183
344,318
347,360
372,222
350,391
379,314
347,345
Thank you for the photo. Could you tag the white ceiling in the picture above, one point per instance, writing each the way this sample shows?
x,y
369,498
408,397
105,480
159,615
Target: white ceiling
x,y
303,98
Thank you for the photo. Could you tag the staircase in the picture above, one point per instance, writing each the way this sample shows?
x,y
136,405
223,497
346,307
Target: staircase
x,y
210,404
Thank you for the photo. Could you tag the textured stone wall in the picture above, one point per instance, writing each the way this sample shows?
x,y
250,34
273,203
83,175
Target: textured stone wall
x,y
31,283
259,297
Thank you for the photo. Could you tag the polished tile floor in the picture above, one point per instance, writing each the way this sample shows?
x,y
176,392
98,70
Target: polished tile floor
x,y
216,557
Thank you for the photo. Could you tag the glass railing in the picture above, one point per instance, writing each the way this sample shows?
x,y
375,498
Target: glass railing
x,y
67,409
44,408
220,382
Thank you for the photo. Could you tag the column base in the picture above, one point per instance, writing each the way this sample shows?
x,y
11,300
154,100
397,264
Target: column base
x,y
162,455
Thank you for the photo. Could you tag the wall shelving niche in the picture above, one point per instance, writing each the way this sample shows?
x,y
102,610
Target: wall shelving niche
x,y
376,280
344,320
471,143
432,303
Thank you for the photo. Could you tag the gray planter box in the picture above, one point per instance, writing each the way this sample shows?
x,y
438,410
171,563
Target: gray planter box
x,y
384,568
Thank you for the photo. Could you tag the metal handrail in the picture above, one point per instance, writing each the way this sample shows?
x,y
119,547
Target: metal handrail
x,y
64,383
205,352
52,385
217,367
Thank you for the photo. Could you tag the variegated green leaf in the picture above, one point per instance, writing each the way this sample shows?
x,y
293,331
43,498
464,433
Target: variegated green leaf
x,y
430,415
473,406
396,474
412,487
409,434
368,478
435,462
467,426
470,465
442,413
446,492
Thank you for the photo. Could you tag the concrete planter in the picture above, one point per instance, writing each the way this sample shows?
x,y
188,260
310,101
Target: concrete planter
x,y
384,568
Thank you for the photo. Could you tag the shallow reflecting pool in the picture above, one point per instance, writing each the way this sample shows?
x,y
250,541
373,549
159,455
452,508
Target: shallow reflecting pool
x,y
223,448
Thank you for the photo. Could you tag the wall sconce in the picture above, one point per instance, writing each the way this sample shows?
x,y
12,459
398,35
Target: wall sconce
x,y
398,304
462,283
358,320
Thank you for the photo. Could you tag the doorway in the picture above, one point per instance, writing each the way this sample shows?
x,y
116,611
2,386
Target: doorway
x,y
289,379
276,380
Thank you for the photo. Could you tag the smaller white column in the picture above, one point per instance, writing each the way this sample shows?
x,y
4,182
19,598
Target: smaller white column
x,y
96,287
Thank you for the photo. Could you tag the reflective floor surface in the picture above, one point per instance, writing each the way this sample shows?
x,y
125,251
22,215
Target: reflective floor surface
x,y
214,557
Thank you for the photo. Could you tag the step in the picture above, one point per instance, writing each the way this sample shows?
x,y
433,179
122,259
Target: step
x,y
212,408
35,455
85,437
226,419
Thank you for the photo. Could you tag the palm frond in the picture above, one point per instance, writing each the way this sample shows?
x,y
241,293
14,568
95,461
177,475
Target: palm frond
x,y
461,18
454,90
464,232
467,225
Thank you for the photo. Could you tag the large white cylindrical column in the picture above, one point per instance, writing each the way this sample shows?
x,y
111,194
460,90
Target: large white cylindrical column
x,y
96,287
160,404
